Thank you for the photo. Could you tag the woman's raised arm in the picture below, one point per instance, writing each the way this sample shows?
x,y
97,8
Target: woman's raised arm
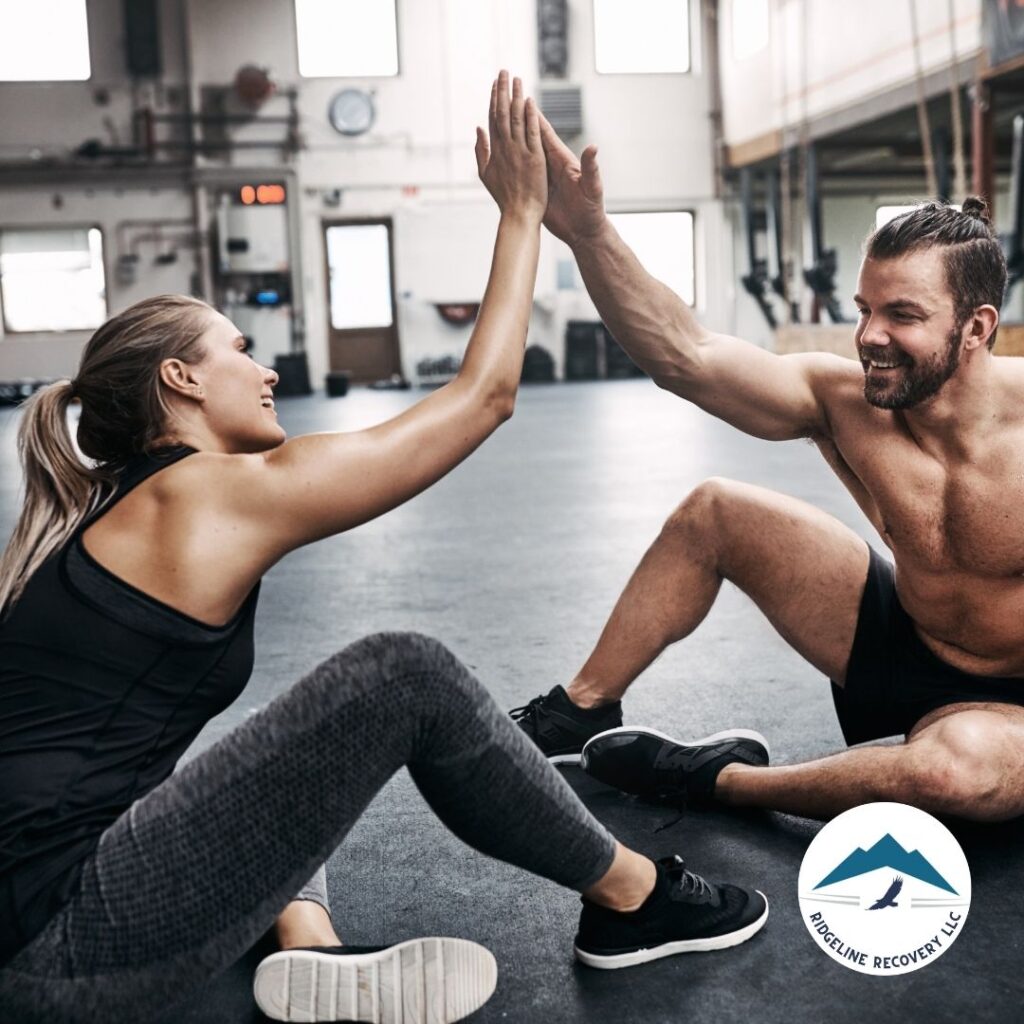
x,y
316,485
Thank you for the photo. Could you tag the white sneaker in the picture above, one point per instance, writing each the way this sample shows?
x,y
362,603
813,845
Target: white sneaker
x,y
422,981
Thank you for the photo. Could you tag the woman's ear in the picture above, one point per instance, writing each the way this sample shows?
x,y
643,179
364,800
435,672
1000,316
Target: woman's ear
x,y
177,376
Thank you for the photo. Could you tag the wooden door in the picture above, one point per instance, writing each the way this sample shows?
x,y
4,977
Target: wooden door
x,y
362,325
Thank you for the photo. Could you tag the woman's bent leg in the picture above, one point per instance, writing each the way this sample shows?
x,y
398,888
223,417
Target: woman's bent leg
x,y
187,879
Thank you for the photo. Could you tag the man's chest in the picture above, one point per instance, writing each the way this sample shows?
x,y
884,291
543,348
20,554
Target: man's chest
x,y
964,518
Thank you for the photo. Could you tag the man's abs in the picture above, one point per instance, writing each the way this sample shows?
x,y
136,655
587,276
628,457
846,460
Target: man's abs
x,y
975,624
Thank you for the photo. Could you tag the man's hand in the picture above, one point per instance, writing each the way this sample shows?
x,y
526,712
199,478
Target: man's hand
x,y
575,210
511,159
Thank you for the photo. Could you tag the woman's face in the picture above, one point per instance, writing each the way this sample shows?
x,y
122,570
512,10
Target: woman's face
x,y
237,398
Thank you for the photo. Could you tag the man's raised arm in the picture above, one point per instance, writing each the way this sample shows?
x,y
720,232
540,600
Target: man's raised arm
x,y
769,396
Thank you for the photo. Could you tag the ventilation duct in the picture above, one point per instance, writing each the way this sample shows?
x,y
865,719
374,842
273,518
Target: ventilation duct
x,y
564,109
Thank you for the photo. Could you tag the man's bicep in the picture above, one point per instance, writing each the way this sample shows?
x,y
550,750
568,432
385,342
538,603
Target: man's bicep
x,y
775,397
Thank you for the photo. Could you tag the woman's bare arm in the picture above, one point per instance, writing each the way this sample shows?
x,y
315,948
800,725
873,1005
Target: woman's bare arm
x,y
321,484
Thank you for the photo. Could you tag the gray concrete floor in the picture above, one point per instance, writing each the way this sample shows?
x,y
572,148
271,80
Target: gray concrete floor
x,y
514,562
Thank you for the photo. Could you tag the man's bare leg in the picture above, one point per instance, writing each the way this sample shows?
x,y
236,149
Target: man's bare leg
x,y
965,760
803,568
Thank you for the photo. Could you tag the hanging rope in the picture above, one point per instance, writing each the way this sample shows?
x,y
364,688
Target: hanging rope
x,y
785,195
923,124
959,161
802,224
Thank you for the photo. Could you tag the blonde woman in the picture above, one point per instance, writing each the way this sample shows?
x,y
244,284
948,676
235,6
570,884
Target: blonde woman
x,y
128,592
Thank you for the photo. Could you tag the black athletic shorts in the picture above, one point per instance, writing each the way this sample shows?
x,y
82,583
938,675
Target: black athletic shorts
x,y
892,679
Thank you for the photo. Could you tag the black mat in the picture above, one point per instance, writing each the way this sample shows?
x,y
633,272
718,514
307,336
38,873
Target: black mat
x,y
514,561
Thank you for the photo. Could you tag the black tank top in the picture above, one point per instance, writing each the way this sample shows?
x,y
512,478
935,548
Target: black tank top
x,y
102,688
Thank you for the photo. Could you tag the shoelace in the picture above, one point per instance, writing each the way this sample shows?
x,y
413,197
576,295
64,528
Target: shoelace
x,y
688,882
529,714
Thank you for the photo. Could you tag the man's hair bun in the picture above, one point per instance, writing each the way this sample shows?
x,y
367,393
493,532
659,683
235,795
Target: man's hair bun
x,y
976,207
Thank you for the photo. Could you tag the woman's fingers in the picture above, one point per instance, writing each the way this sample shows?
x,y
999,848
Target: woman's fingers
x,y
533,127
483,151
501,128
517,119
492,113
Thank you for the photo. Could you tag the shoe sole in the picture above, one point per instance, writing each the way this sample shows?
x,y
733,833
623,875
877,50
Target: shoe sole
x,y
642,956
565,758
422,981
726,734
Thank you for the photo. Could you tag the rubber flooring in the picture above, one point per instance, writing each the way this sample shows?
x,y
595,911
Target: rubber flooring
x,y
514,561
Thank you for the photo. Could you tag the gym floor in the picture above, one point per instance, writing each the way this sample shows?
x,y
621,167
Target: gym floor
x,y
514,562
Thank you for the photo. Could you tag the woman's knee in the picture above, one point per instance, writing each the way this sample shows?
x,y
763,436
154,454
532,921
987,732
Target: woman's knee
x,y
401,661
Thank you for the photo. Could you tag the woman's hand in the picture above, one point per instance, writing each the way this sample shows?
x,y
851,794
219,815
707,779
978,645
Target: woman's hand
x,y
511,161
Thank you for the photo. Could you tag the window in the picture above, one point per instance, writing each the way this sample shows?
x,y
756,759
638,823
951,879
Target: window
x,y
641,36
52,279
347,38
359,264
749,27
44,41
884,214
663,243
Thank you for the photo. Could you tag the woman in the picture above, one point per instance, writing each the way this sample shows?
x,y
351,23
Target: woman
x,y
128,593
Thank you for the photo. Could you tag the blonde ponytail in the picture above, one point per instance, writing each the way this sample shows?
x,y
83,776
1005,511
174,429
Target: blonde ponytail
x,y
124,413
60,490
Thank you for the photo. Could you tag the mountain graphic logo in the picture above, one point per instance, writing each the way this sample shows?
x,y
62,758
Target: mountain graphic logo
x,y
916,874
886,853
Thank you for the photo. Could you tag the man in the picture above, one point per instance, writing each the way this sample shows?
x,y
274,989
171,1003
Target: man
x,y
926,431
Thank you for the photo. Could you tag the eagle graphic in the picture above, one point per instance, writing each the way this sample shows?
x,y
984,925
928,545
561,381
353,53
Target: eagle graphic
x,y
889,899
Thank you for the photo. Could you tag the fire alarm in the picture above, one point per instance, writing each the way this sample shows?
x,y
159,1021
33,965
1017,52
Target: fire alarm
x,y
351,112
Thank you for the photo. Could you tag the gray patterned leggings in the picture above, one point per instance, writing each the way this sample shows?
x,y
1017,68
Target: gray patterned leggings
x,y
187,879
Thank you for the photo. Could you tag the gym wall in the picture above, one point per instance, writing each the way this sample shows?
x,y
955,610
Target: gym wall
x,y
416,165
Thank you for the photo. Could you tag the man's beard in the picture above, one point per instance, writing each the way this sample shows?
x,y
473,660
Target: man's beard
x,y
916,382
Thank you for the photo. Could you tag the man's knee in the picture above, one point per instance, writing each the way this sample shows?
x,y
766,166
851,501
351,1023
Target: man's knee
x,y
955,769
701,509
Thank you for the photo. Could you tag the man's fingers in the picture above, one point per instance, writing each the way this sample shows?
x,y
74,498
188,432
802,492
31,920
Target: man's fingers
x,y
591,180
533,126
483,151
516,115
501,126
554,147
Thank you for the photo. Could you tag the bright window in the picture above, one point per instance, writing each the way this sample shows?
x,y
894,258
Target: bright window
x,y
884,214
641,36
44,41
663,242
359,264
749,27
52,279
347,38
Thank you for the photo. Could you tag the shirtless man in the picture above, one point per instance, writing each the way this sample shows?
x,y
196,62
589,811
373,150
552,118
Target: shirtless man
x,y
926,431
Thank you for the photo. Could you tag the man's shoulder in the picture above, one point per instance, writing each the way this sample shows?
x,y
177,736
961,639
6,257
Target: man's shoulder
x,y
838,383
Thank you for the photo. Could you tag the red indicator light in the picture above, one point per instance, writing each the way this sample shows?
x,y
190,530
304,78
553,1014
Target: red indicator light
x,y
248,195
269,194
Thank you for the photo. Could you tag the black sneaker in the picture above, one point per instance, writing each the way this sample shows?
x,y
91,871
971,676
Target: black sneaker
x,y
650,764
422,981
684,914
560,728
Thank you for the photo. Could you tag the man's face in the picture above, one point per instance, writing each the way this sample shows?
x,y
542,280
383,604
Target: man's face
x,y
907,337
